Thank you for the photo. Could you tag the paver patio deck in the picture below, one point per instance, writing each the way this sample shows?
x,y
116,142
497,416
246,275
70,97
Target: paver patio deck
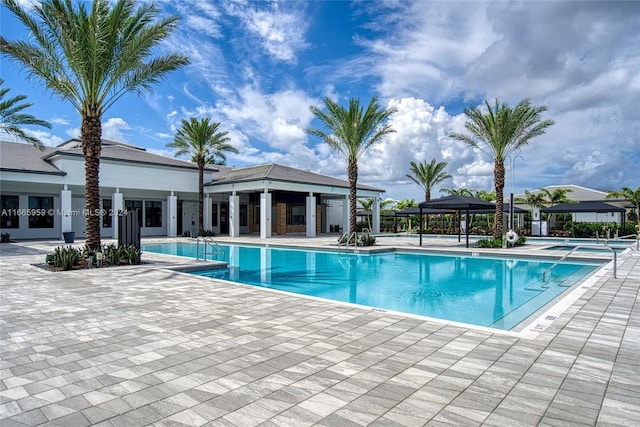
x,y
144,345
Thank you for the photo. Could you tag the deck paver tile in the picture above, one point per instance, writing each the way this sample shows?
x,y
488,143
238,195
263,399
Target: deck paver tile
x,y
159,348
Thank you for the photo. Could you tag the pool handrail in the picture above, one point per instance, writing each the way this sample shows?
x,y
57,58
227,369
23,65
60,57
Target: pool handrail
x,y
216,249
606,242
346,240
615,260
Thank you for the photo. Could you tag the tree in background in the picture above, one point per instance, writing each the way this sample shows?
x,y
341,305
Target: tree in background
x,y
631,196
367,206
428,175
351,132
499,132
206,144
12,118
90,55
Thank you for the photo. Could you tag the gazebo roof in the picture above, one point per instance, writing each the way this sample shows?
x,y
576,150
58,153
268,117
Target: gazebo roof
x,y
583,207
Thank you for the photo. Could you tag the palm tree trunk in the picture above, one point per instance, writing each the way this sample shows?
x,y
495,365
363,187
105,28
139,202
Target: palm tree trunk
x,y
352,172
200,195
91,132
498,171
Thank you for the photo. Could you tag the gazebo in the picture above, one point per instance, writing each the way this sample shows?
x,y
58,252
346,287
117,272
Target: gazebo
x,y
458,203
586,207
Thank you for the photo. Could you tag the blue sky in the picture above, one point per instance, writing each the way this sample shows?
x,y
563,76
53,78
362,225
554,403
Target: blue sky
x,y
258,66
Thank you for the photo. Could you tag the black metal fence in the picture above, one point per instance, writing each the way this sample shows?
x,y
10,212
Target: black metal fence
x,y
129,229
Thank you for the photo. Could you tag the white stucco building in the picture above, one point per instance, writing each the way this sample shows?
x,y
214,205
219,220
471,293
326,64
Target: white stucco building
x,y
42,194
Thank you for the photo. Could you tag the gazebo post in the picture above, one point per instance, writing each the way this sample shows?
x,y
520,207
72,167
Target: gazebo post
x,y
420,230
466,226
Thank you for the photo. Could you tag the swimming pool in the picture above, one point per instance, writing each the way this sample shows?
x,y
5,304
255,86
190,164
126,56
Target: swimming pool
x,y
484,291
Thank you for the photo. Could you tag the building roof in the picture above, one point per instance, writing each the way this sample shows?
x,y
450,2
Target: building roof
x,y
276,172
113,150
24,157
577,193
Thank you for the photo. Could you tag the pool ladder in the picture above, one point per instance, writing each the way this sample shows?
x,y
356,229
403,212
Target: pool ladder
x,y
347,240
209,247
615,260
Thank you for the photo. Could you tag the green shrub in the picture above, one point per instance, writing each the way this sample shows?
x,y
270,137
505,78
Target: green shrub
x,y
113,254
367,240
64,257
132,254
495,242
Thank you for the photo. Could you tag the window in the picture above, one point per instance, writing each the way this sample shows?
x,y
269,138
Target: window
x,y
133,205
153,213
40,212
296,214
107,213
214,215
244,216
10,206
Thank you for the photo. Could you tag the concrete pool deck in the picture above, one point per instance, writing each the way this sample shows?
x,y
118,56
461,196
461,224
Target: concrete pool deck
x,y
146,345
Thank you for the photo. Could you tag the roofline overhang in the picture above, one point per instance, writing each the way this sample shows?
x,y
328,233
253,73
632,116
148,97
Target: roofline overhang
x,y
65,153
270,184
61,173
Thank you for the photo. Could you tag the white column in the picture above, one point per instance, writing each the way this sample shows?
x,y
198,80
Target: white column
x,y
345,215
172,215
206,213
265,214
376,216
311,215
117,204
234,215
65,208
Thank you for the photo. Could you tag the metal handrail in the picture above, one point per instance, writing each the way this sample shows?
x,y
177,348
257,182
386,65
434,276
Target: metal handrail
x,y
624,237
216,249
575,248
346,240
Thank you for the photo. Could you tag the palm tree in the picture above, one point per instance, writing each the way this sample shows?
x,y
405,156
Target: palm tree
x,y
351,132
631,196
12,118
457,191
558,195
428,175
207,145
90,55
498,133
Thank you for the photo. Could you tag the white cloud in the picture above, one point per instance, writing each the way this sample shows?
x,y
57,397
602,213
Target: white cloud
x,y
113,127
281,33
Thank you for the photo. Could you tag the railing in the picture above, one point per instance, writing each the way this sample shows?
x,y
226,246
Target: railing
x,y
606,242
575,248
209,246
347,240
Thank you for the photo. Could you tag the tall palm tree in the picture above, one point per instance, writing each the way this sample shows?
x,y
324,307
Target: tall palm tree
x,y
498,133
351,132
207,145
631,196
90,55
428,175
12,118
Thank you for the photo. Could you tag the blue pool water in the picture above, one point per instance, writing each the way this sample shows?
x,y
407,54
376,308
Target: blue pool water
x,y
482,291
